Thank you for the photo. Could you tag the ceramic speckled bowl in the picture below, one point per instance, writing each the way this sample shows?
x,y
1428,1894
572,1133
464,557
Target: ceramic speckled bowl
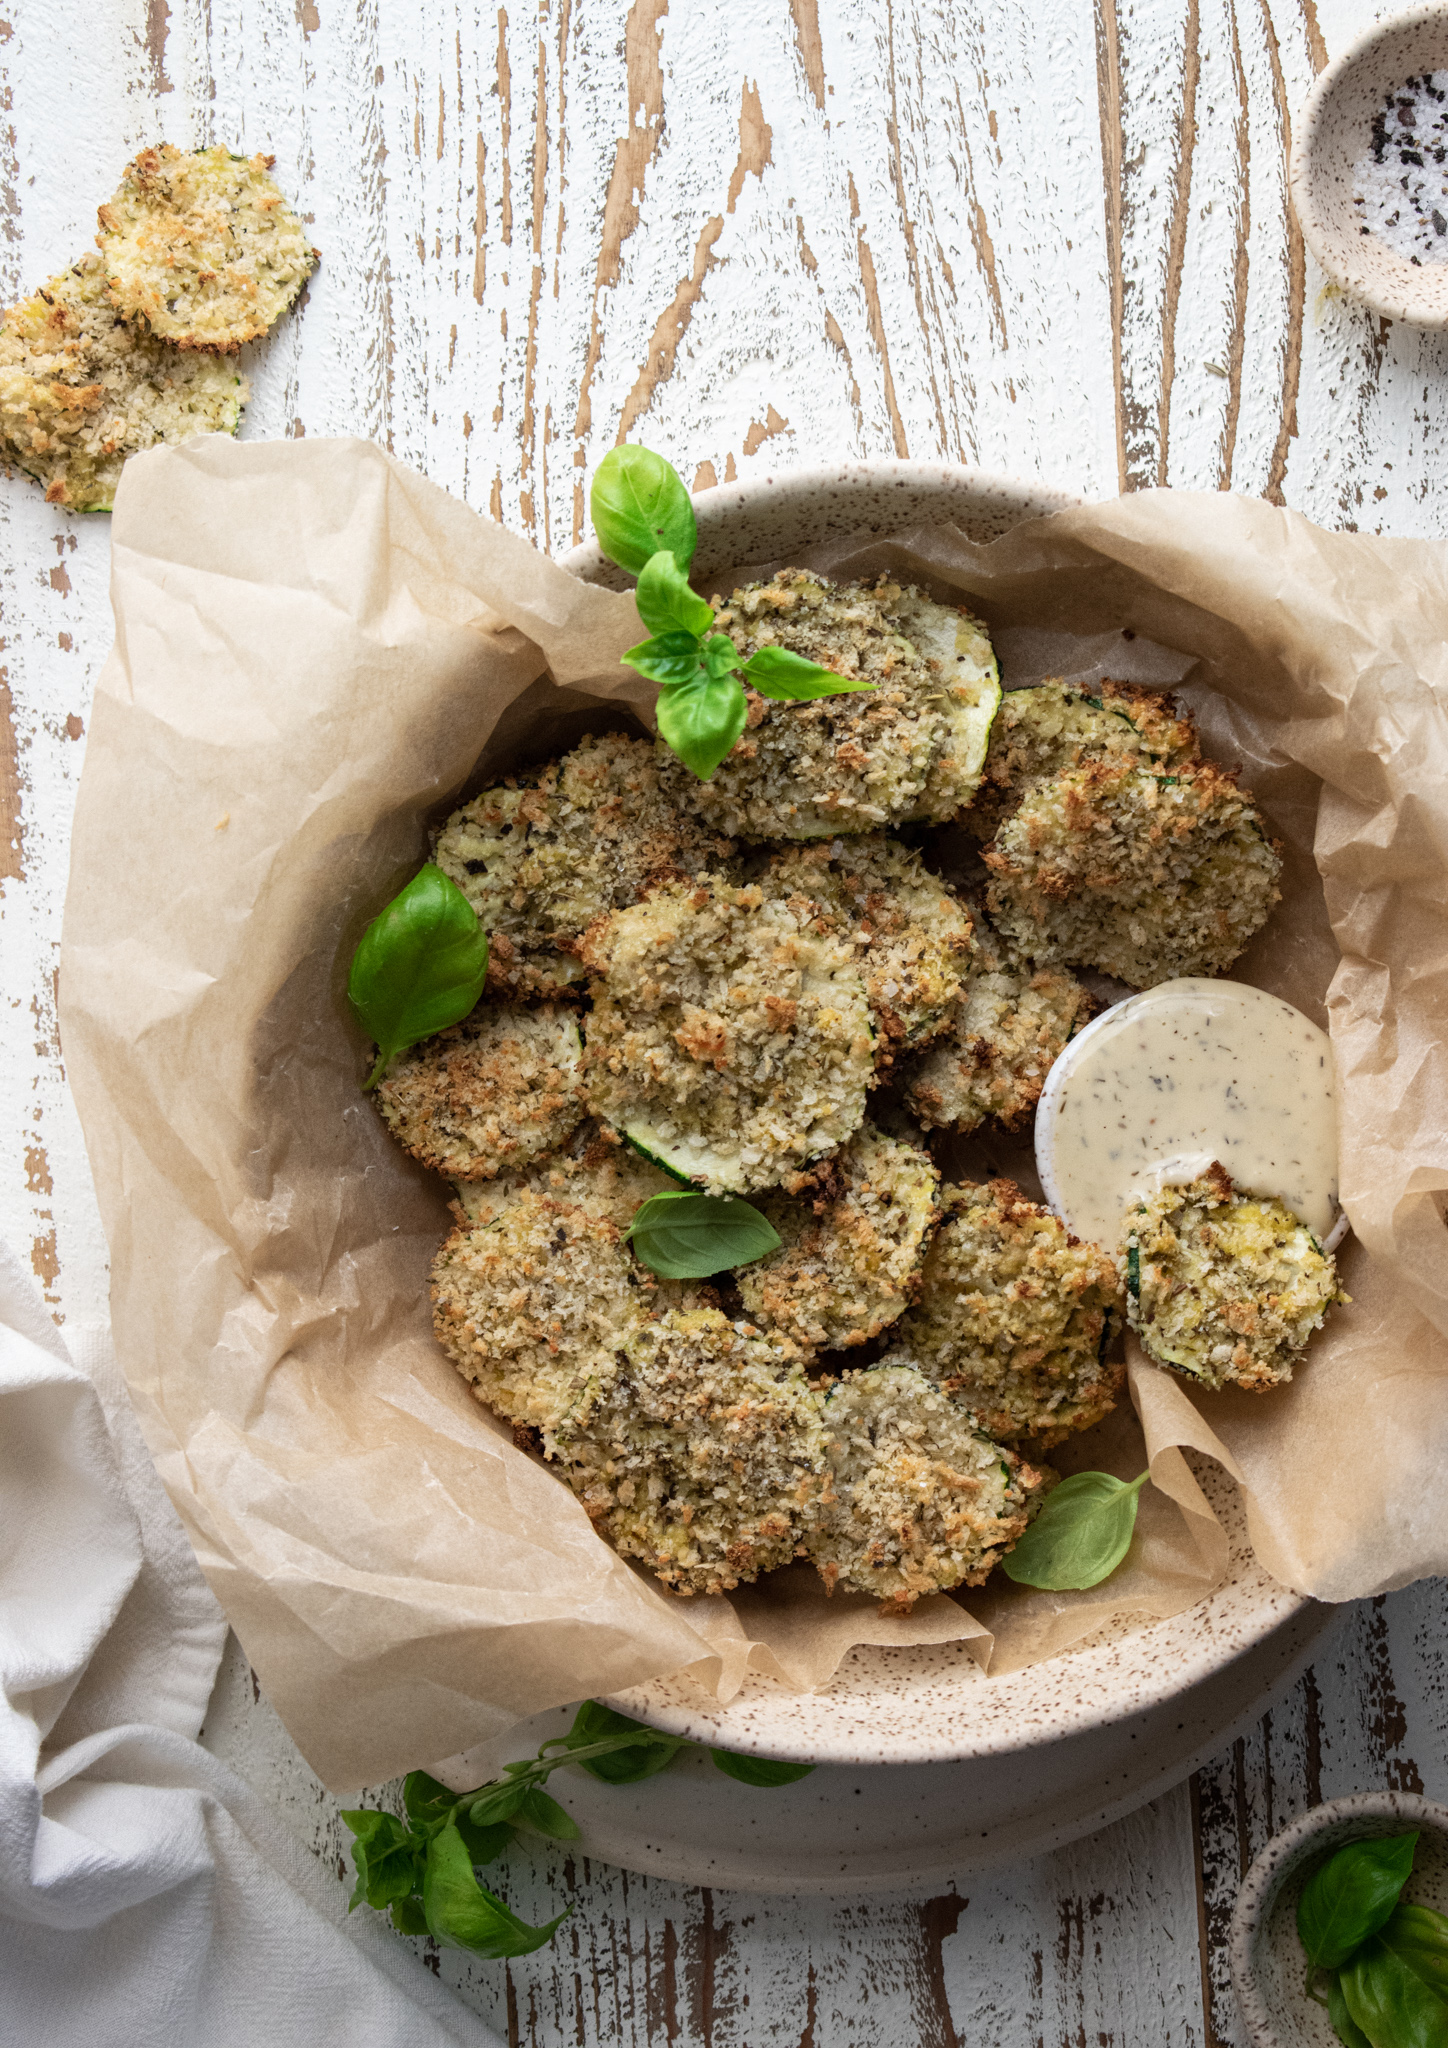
x,y
1332,133
1109,1702
1267,1963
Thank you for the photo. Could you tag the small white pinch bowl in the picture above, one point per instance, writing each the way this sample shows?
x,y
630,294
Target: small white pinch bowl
x,y
1266,1958
1332,132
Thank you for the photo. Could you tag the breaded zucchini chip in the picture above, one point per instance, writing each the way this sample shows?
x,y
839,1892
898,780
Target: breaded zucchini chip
x,y
909,747
911,934
1224,1288
702,1456
1046,729
80,391
499,1089
727,1044
201,246
1006,1033
534,1305
546,853
1144,876
920,1499
1015,1317
851,1243
595,1168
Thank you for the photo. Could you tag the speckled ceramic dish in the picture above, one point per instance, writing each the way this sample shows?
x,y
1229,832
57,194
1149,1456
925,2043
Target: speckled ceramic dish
x,y
931,1704
1332,132
1266,1956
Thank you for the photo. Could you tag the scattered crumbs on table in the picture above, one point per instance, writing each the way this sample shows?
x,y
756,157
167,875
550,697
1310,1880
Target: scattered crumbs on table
x,y
1400,183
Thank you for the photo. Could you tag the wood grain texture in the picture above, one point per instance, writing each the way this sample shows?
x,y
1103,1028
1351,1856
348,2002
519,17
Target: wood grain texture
x,y
1047,236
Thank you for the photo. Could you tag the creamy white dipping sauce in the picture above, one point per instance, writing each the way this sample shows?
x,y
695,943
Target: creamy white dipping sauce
x,y
1166,1082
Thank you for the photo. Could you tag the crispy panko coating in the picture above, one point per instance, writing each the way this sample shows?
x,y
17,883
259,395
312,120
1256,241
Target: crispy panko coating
x,y
1223,1287
1047,728
702,1454
1007,1030
202,248
911,933
1015,1316
855,762
80,391
851,1244
920,1499
490,1094
724,1041
545,854
1147,877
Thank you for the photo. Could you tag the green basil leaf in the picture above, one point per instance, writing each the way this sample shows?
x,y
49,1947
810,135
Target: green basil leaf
x,y
1420,1937
702,720
495,1803
719,655
670,658
639,506
427,1800
484,1844
461,1913
543,1813
1390,2002
1343,2024
387,1857
420,965
408,1916
776,672
1080,1536
665,601
1348,1897
686,1236
643,1752
758,1770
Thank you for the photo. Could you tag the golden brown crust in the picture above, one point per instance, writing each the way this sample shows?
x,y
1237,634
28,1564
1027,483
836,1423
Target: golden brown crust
x,y
494,1092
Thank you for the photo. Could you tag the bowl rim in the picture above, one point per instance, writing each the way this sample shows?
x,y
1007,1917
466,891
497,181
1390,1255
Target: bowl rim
x,y
1307,137
1273,1868
1108,1682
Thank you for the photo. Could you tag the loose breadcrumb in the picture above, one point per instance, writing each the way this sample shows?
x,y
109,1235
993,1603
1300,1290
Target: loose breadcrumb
x,y
701,1456
1047,728
841,764
1005,1034
80,392
851,1244
495,1091
1144,876
544,854
1015,1317
911,934
1224,1287
725,1042
201,246
921,1499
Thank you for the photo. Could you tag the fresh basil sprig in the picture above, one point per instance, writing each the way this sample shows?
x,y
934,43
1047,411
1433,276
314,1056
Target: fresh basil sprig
x,y
1389,2001
681,1235
1387,1962
1081,1534
423,1869
420,966
1350,1896
645,523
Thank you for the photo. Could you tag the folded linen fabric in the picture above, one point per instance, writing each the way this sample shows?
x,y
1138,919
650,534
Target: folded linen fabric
x,y
147,1895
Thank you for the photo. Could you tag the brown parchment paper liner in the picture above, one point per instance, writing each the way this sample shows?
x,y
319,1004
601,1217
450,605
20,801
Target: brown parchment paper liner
x,y
316,652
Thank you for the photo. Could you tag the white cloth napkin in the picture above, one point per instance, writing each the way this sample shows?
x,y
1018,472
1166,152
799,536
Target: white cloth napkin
x,y
148,1897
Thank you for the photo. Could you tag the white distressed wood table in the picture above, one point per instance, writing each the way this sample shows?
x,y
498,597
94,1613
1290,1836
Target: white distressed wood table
x,y
1046,236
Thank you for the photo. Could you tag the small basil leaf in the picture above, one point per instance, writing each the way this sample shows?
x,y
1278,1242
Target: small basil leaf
x,y
419,967
758,1770
701,721
639,506
1080,1536
461,1913
1343,2024
671,658
1390,2002
1349,1897
495,1803
648,1754
686,1236
484,1844
719,655
665,601
543,1813
1419,1937
408,1916
427,1800
386,1855
776,672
